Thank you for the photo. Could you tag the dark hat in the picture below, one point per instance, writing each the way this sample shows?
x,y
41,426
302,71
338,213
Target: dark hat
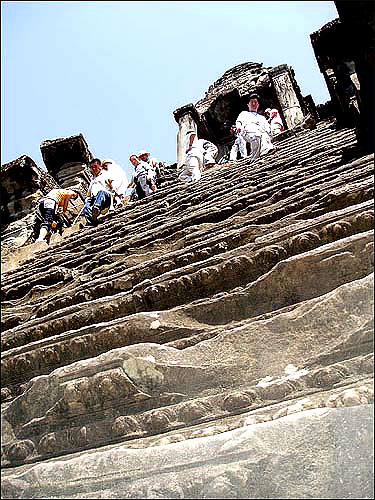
x,y
254,96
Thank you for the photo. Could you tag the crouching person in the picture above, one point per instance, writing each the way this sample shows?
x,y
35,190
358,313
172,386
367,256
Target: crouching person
x,y
193,166
200,154
99,196
50,210
210,153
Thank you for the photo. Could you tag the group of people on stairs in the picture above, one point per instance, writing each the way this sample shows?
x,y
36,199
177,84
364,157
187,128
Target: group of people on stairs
x,y
106,191
251,128
109,183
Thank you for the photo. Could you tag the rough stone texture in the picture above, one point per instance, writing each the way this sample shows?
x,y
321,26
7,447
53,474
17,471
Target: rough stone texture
x,y
311,454
213,340
22,184
357,19
243,78
67,160
334,52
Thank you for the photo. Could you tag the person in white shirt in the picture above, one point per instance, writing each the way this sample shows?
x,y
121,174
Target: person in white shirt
x,y
255,129
145,156
117,180
275,121
141,178
200,154
99,196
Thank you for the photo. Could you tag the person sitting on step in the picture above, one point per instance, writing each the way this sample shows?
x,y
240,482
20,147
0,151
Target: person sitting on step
x,y
99,195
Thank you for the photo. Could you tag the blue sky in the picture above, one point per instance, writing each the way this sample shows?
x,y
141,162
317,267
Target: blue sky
x,y
116,71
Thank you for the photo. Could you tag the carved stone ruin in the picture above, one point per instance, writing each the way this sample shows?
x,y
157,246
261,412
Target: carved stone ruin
x,y
211,341
67,160
344,49
357,18
212,115
334,54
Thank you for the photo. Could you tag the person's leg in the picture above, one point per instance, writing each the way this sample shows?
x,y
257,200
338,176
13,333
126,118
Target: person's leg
x,y
276,130
185,175
255,147
194,170
87,210
42,234
242,146
266,144
101,203
139,191
151,184
142,181
47,209
209,156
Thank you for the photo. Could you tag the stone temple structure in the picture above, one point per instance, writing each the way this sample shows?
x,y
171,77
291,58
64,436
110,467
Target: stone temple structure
x,y
212,116
213,340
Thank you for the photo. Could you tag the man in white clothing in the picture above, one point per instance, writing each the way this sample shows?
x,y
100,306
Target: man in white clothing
x,y
255,129
200,154
141,177
99,196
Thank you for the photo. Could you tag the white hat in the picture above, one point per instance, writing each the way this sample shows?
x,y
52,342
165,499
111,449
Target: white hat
x,y
107,160
143,152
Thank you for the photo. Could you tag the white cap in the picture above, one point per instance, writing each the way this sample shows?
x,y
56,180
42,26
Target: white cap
x,y
107,160
143,152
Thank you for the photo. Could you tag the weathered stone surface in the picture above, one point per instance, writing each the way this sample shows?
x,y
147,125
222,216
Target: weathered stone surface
x,y
320,453
66,158
241,360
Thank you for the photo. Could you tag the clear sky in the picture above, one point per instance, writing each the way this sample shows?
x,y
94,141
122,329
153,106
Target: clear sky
x,y
116,71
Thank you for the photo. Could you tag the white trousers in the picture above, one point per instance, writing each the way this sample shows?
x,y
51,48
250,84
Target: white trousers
x,y
259,144
192,169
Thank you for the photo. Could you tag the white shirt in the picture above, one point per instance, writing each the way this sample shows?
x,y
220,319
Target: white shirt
x,y
119,178
253,123
276,122
98,183
143,168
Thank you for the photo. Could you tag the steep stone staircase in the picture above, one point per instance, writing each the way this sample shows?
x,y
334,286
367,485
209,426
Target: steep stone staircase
x,y
189,306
